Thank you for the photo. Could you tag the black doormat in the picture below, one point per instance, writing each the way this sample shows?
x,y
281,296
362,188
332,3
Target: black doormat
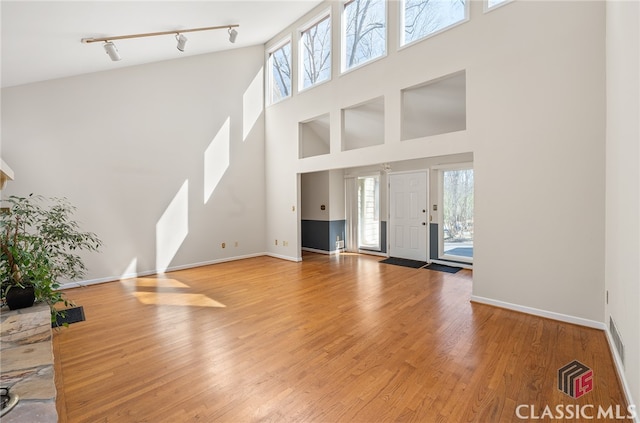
x,y
415,264
442,268
71,315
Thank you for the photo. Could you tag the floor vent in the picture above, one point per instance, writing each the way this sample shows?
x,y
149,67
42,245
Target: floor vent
x,y
617,339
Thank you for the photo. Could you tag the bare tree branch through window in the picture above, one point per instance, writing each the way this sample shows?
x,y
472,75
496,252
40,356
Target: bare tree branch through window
x,y
365,31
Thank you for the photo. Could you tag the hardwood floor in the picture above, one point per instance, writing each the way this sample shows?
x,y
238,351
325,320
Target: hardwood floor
x,y
331,339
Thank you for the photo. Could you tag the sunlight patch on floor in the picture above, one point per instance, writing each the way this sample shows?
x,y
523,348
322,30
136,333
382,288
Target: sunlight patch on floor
x,y
177,299
153,283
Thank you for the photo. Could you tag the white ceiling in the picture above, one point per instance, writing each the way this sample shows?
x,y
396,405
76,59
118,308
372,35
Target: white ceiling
x,y
41,39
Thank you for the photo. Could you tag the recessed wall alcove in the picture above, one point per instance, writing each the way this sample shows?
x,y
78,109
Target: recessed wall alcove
x,y
435,107
314,137
363,125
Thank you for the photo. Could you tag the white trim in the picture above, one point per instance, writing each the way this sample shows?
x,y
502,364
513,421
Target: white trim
x,y
400,172
541,313
453,257
320,17
620,371
343,40
486,8
373,253
452,264
402,45
282,257
269,73
329,253
76,284
440,213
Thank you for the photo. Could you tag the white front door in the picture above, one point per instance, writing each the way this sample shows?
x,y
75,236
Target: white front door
x,y
408,215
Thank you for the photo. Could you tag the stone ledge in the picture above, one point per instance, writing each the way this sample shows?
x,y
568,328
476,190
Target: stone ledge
x,y
26,360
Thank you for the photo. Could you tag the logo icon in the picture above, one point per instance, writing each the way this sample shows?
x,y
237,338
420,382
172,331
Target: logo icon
x,y
575,379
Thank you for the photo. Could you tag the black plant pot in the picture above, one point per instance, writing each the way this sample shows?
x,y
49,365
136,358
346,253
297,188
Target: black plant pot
x,y
18,297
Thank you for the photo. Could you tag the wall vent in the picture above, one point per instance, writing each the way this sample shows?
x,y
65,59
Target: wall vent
x,y
617,339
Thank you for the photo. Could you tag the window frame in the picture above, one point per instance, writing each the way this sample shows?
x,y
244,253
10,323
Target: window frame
x,y
343,38
270,80
319,18
488,8
401,20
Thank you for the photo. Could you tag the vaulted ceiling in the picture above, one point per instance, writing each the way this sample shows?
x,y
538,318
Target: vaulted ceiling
x,y
41,39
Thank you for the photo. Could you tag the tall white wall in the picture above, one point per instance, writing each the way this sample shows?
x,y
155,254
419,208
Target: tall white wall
x,y
622,252
165,161
535,125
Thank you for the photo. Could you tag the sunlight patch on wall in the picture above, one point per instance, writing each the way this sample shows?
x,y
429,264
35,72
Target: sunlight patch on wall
x,y
252,104
176,299
172,228
131,270
216,160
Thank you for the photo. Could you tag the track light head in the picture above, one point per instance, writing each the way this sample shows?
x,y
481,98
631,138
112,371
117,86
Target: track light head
x,y
182,41
112,51
233,34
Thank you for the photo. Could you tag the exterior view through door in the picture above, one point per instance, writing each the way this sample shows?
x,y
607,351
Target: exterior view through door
x,y
408,215
456,214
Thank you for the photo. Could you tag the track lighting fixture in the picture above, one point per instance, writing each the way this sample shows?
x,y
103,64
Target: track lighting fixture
x,y
182,41
112,51
233,34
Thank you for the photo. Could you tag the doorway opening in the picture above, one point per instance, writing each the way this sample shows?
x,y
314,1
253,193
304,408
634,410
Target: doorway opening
x,y
456,214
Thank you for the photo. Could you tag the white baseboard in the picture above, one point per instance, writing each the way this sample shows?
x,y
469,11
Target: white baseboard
x,y
132,275
474,298
280,256
576,321
542,313
330,253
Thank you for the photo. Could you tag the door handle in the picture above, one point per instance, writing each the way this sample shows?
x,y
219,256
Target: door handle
x,y
424,223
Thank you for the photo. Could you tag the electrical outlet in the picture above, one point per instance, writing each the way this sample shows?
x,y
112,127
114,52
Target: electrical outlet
x,y
224,245
285,243
276,242
236,244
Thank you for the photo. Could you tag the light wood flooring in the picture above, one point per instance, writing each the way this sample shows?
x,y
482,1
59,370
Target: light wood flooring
x,y
330,339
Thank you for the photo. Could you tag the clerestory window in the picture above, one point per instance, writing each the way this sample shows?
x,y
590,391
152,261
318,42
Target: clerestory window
x,y
315,52
422,18
364,32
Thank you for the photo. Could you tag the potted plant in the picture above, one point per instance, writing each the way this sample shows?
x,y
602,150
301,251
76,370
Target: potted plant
x,y
39,245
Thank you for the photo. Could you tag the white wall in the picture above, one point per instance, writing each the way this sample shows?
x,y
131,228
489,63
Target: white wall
x,y
336,184
535,124
622,252
155,158
315,192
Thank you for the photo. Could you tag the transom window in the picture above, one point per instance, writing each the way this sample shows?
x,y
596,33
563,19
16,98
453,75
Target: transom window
x,y
422,18
315,52
279,68
364,31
